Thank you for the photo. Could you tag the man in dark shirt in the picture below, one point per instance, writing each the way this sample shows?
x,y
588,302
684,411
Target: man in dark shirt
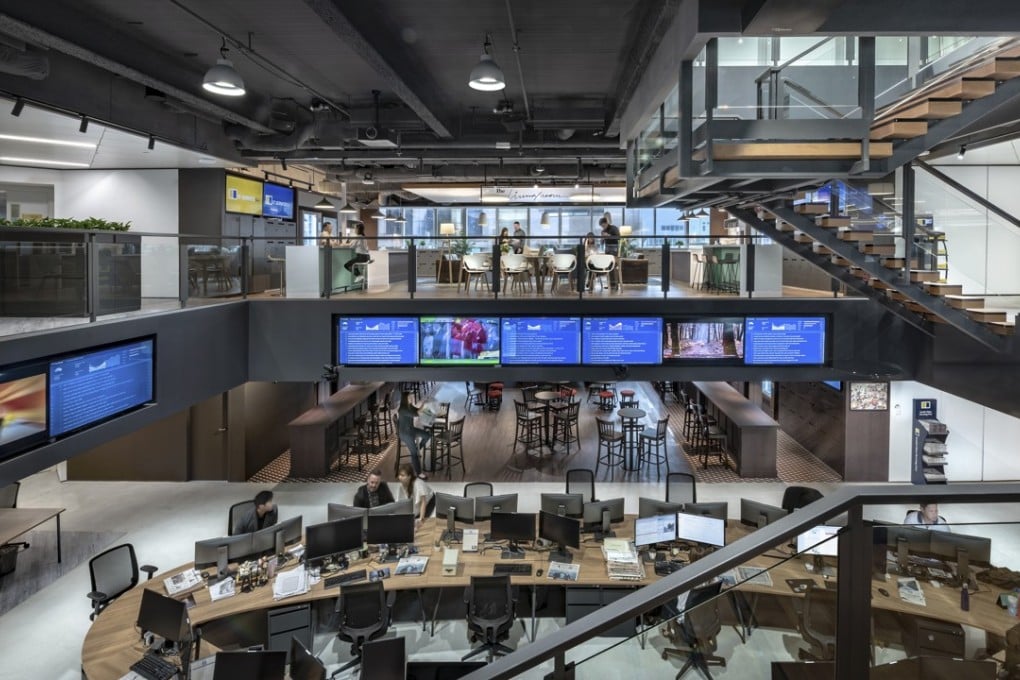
x,y
611,240
373,492
263,515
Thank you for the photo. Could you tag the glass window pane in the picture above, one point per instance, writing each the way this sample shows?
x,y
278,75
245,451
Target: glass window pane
x,y
642,223
545,225
577,222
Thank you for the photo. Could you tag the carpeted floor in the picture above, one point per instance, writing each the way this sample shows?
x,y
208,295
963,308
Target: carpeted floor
x,y
37,567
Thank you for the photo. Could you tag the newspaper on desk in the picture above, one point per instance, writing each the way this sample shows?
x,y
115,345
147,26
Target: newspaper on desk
x,y
622,561
182,582
910,591
222,589
290,583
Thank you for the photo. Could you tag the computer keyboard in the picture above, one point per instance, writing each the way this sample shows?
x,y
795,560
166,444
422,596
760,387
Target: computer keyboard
x,y
518,569
154,668
346,577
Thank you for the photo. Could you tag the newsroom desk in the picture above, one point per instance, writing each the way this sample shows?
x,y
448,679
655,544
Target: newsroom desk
x,y
17,521
751,433
315,434
112,643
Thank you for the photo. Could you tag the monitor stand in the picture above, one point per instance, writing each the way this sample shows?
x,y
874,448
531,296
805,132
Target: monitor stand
x,y
222,566
561,554
452,534
820,567
392,554
512,552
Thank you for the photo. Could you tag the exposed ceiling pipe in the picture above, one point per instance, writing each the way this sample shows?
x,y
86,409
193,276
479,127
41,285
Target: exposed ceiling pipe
x,y
25,64
35,36
249,139
463,173
517,58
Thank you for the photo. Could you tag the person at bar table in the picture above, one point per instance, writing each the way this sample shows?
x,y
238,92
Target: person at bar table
x,y
421,494
326,239
409,434
927,517
263,515
374,492
360,248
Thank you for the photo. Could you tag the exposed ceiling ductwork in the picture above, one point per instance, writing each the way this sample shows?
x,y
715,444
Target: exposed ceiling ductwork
x,y
461,173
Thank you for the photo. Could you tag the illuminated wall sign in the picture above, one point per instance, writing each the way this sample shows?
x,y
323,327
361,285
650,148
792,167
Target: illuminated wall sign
x,y
244,195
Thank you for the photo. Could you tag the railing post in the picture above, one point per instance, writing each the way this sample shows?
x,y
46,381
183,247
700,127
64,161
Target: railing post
x,y
580,269
866,95
246,251
92,282
909,220
326,270
412,268
711,99
665,268
496,268
184,275
853,592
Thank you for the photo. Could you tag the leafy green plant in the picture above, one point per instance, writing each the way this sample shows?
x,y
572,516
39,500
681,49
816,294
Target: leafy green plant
x,y
87,224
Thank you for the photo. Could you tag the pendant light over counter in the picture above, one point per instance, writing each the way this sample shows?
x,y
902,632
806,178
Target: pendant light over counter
x,y
223,79
487,76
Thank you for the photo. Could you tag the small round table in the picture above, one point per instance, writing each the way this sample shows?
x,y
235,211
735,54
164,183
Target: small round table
x,y
629,418
546,397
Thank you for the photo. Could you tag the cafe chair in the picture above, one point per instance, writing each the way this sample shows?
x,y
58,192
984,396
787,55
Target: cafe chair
x,y
491,608
363,613
529,428
113,573
236,514
681,488
566,428
515,270
696,633
474,268
654,449
817,625
599,267
610,450
450,439
796,497
9,499
563,265
475,397
476,489
582,481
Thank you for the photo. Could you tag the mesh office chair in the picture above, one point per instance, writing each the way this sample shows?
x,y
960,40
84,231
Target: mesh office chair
x,y
796,497
236,514
476,489
681,488
362,613
113,573
696,633
582,481
491,607
9,499
817,625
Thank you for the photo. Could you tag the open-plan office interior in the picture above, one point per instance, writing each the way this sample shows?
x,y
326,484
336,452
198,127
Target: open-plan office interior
x,y
509,339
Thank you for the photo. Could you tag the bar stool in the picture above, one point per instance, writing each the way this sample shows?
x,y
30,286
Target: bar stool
x,y
565,425
372,431
653,446
730,275
607,400
528,430
383,414
627,399
713,442
692,415
452,438
611,442
400,449
699,277
475,397
360,269
714,273
494,396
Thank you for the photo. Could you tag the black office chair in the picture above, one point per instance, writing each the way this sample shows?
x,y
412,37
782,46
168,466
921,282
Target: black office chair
x,y
113,573
9,499
681,488
696,633
476,489
362,614
236,514
582,481
817,625
491,608
796,497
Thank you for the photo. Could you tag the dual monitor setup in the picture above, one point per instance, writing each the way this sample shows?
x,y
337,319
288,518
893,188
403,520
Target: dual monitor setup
x,y
691,524
581,341
46,399
349,529
222,551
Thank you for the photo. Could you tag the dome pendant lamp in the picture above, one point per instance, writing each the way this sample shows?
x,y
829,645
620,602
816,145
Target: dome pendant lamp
x,y
222,78
487,76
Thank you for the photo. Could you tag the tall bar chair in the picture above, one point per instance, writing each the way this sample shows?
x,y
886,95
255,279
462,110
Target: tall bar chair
x,y
610,451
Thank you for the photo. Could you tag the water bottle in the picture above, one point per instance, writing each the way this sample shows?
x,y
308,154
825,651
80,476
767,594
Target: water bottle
x,y
965,598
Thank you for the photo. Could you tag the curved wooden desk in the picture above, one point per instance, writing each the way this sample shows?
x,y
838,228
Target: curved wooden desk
x,y
112,644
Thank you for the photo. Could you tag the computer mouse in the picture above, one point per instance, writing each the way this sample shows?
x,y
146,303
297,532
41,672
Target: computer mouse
x,y
538,573
883,591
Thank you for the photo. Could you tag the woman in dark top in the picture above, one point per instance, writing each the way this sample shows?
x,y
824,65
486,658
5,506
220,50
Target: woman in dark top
x,y
409,434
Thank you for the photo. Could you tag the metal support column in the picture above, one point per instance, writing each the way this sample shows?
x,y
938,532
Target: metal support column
x,y
246,251
853,611
909,219
92,274
866,95
665,268
184,275
711,99
412,268
685,144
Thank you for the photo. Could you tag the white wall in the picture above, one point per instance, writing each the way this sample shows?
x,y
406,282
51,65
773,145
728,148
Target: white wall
x,y
982,441
32,188
146,198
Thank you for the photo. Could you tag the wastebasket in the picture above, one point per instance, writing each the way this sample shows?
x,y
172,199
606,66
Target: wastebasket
x,y
8,558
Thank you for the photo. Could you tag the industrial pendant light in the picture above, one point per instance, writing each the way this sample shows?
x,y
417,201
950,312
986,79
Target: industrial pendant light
x,y
324,204
222,78
348,209
487,76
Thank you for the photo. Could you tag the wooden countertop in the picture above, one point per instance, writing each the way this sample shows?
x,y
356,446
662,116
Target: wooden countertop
x,y
338,404
734,405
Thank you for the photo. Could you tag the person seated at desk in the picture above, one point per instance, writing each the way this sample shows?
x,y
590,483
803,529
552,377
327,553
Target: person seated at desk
x,y
263,515
927,517
422,496
503,241
374,492
360,249
409,434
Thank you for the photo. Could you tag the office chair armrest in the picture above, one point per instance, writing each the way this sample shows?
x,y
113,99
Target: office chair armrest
x,y
467,596
391,597
149,570
98,597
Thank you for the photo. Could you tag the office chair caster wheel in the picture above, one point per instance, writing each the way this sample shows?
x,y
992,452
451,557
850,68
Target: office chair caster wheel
x,y
665,656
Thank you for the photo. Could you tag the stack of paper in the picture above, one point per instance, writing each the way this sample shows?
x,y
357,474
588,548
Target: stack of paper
x,y
290,583
622,562
182,582
560,571
412,565
221,589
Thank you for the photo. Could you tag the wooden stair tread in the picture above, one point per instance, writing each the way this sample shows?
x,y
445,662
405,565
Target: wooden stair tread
x,y
887,249
987,314
899,129
943,288
830,222
735,151
964,88
1002,327
929,109
811,208
998,69
855,235
840,260
964,301
879,284
801,237
924,276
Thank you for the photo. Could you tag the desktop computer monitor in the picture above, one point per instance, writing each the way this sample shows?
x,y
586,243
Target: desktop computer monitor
x,y
947,546
598,515
719,509
563,504
820,540
404,507
250,665
755,514
332,538
654,529
563,531
454,509
650,507
700,529
384,659
212,551
335,511
513,527
164,616
390,529
485,506
273,539
303,664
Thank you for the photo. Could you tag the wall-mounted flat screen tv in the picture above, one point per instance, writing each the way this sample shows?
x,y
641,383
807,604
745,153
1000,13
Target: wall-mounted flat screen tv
x,y
98,384
621,340
244,195
708,339
377,341
459,340
22,407
541,341
277,201
834,384
778,340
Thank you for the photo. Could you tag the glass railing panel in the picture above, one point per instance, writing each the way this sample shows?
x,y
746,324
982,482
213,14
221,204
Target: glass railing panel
x,y
937,46
214,269
44,283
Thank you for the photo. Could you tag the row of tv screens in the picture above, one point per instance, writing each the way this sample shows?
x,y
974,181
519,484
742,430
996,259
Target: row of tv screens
x,y
576,340
58,396
254,197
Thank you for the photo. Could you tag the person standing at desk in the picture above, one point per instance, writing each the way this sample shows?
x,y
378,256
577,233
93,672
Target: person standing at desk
x,y
326,239
611,240
374,492
519,237
423,498
360,249
927,517
263,515
409,434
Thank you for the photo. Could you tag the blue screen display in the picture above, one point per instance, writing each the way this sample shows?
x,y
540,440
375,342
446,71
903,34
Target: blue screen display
x,y
773,340
88,388
541,341
277,201
834,384
377,341
622,340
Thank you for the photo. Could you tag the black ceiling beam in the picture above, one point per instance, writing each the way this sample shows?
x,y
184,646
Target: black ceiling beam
x,y
768,17
922,17
438,153
424,106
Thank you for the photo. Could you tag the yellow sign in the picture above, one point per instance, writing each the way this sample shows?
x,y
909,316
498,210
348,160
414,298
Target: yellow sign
x,y
244,195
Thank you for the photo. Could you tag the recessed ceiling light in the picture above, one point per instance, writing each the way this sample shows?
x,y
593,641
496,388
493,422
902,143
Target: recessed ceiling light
x,y
206,161
41,161
44,140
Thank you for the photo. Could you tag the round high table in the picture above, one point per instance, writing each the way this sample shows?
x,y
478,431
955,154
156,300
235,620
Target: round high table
x,y
629,418
546,397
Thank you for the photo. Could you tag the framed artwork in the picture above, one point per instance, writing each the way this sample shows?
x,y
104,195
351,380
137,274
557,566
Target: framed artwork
x,y
869,396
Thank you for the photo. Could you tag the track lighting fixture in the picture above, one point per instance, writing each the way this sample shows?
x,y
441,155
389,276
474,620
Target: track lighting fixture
x,y
487,76
222,78
961,153
19,104
84,125
152,142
